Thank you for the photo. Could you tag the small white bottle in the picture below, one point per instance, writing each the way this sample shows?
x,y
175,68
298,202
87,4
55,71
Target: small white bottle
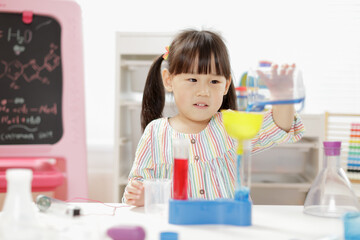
x,y
18,219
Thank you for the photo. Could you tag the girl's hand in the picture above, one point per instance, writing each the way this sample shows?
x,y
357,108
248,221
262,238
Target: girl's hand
x,y
280,83
134,193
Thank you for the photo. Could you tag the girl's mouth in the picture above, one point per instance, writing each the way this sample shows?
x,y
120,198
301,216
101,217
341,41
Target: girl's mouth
x,y
200,105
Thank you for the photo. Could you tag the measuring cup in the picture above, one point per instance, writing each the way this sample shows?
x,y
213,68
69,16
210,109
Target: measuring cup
x,y
157,195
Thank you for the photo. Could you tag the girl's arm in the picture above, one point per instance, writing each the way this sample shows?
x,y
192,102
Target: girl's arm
x,y
142,168
283,116
271,134
281,86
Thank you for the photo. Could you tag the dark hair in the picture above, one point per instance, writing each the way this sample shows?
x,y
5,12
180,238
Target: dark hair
x,y
188,49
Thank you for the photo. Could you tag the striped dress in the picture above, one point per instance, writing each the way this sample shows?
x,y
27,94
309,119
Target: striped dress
x,y
212,160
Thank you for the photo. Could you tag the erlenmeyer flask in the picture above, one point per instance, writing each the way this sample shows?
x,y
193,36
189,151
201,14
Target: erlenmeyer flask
x,y
18,220
331,194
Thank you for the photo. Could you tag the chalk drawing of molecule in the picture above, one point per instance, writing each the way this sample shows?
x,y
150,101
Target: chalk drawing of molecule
x,y
30,71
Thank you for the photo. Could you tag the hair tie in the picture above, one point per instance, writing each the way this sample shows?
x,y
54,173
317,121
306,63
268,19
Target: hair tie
x,y
166,54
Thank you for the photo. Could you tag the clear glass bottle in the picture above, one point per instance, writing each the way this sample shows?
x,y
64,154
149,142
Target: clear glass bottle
x,y
331,194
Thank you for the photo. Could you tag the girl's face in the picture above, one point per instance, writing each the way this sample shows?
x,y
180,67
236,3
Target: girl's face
x,y
197,96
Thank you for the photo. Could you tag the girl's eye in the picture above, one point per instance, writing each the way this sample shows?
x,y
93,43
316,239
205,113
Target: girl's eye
x,y
214,81
192,80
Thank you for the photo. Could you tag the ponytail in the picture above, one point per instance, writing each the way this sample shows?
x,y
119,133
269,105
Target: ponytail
x,y
154,94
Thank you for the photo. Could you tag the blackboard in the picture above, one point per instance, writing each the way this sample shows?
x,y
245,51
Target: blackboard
x,y
31,80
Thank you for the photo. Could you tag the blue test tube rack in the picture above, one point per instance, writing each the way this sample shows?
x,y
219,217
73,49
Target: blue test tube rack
x,y
219,211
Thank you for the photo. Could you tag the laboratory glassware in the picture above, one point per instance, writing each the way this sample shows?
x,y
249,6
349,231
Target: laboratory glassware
x,y
286,87
19,218
331,193
181,161
157,195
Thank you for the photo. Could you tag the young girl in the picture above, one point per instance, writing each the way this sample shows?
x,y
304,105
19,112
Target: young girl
x,y
199,76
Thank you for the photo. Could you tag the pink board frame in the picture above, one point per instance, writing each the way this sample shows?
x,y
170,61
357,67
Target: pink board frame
x,y
70,150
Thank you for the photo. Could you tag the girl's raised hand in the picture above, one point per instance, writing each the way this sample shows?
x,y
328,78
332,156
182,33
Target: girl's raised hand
x,y
280,82
134,193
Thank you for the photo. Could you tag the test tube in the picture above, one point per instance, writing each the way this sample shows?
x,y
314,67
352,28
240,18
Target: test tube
x,y
181,159
56,206
243,172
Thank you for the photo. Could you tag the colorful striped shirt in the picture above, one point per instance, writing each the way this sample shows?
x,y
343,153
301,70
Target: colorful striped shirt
x,y
212,155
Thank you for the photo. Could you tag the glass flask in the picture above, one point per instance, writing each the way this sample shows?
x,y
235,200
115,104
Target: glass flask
x,y
331,194
19,217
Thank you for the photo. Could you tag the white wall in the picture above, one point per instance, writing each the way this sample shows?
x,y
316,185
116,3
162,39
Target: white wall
x,y
316,35
311,33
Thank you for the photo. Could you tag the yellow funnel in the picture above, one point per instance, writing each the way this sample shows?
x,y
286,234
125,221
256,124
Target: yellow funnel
x,y
242,125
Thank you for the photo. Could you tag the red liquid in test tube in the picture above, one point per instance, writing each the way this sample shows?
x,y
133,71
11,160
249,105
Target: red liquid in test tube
x,y
180,178
180,181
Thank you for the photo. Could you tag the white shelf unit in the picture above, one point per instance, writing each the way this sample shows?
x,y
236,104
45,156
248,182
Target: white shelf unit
x,y
283,174
135,53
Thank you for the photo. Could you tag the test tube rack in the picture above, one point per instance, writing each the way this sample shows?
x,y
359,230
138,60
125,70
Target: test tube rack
x,y
219,211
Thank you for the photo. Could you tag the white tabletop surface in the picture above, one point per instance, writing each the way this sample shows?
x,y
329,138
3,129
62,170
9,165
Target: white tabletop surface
x,y
269,222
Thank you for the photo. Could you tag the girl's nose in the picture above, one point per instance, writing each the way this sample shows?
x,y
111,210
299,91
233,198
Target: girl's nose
x,y
203,90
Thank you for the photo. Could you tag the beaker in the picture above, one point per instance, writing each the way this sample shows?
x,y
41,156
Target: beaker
x,y
270,85
157,195
331,194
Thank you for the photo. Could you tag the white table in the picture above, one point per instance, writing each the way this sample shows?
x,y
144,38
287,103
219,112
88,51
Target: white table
x,y
269,222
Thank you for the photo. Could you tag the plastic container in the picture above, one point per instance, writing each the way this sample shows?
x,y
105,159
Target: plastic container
x,y
351,222
331,194
45,175
157,195
267,85
169,236
241,95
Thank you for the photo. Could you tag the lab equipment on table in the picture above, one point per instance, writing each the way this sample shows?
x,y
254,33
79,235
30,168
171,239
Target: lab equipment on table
x,y
181,161
351,222
55,206
46,177
269,86
243,127
19,218
241,96
124,232
157,195
168,236
331,193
